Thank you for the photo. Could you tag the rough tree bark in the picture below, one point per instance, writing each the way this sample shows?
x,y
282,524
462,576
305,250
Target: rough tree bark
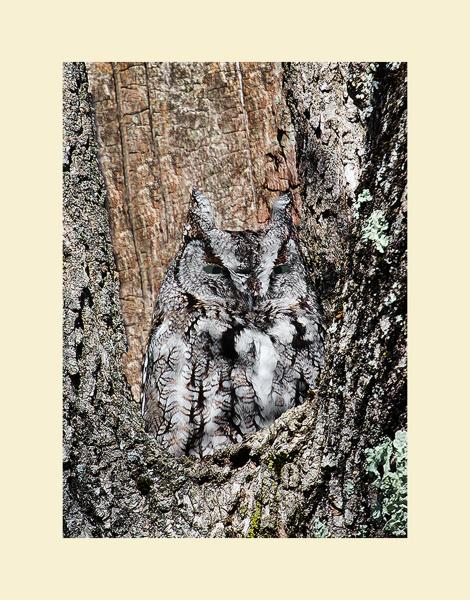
x,y
336,135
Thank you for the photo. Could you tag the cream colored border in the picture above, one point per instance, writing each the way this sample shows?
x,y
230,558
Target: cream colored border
x,y
37,562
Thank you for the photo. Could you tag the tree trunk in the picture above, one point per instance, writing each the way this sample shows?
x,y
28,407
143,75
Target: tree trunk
x,y
335,134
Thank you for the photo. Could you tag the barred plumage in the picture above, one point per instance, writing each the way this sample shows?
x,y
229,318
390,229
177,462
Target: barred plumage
x,y
237,333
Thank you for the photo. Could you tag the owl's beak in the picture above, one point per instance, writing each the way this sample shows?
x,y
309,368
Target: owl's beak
x,y
252,296
248,299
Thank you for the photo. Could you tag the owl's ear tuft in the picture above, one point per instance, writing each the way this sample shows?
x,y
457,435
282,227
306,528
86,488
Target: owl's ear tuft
x,y
281,210
200,219
197,196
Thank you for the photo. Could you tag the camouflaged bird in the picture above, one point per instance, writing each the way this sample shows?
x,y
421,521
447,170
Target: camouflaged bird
x,y
237,333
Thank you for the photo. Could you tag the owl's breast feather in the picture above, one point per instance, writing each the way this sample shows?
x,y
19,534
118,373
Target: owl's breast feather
x,y
259,349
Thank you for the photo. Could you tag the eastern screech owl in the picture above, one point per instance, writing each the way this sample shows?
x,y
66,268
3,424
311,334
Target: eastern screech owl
x,y
237,333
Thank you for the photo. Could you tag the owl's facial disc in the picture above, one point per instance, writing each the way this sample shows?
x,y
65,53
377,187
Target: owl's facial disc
x,y
239,266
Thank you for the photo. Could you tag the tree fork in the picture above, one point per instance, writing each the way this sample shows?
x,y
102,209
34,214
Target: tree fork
x,y
306,475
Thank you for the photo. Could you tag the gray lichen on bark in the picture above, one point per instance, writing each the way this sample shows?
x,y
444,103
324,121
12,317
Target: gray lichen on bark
x,y
305,475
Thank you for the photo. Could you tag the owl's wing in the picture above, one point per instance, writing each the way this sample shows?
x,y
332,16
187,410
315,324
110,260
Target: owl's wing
x,y
164,379
186,399
298,340
154,331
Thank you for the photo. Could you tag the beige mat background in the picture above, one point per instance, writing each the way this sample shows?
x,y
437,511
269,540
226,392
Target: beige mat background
x,y
38,563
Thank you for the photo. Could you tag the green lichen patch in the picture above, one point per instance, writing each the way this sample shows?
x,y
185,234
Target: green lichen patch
x,y
320,530
276,461
374,230
387,466
255,522
364,196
